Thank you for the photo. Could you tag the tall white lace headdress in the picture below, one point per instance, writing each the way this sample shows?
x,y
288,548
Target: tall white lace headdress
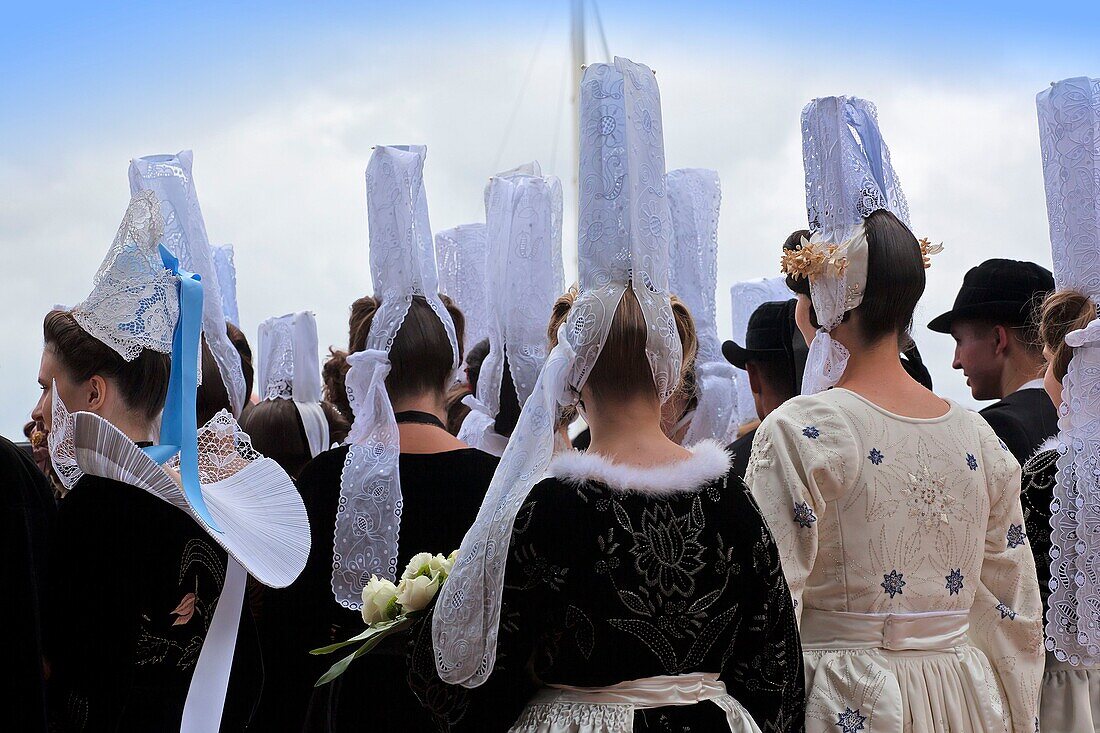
x,y
745,297
402,263
694,197
624,230
461,255
226,268
169,176
523,219
244,501
290,369
848,177
1069,134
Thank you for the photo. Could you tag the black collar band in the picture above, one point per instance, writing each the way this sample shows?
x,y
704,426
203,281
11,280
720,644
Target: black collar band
x,y
419,418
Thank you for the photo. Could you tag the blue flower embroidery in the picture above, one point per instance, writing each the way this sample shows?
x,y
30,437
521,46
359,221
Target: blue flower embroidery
x,y
1015,536
893,583
850,721
811,432
804,515
1006,612
954,582
875,456
1004,445
972,461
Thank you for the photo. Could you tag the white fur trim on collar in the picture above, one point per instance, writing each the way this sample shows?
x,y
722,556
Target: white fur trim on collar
x,y
1050,443
708,461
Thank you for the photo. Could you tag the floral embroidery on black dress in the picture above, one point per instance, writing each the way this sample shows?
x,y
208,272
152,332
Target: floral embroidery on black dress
x,y
604,586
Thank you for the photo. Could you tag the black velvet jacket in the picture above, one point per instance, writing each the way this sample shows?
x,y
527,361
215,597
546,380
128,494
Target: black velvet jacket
x,y
605,585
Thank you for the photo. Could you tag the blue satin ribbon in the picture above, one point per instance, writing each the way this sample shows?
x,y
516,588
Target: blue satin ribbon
x,y
179,428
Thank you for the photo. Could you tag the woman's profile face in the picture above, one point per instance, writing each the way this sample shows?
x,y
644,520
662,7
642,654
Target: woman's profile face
x,y
802,318
50,373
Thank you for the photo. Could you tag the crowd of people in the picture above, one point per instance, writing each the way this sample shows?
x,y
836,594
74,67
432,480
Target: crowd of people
x,y
651,530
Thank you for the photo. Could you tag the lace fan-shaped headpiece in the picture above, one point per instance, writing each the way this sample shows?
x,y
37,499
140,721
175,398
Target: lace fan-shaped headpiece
x,y
694,197
226,268
245,502
133,304
402,261
1069,134
745,297
624,229
848,177
525,277
461,255
169,176
290,369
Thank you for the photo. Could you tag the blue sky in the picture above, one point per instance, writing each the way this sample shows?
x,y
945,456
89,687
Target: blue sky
x,y
281,102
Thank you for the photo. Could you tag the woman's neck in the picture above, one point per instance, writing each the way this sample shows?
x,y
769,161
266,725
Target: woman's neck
x,y
421,438
628,430
875,372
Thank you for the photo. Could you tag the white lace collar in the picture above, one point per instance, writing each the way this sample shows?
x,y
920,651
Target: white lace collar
x,y
708,461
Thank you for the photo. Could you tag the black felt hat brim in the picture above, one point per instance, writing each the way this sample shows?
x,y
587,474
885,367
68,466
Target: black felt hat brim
x,y
1009,312
739,356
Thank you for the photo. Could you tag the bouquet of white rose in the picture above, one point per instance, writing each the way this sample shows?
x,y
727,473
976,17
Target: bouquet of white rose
x,y
389,609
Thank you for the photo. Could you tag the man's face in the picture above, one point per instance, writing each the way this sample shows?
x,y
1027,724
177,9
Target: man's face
x,y
977,355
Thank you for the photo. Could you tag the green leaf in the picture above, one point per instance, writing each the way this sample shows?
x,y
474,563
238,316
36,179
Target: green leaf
x,y
371,631
340,667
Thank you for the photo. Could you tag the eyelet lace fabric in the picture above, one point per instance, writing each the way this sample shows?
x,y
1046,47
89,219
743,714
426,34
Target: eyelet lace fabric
x,y
694,198
226,268
745,298
133,304
169,177
623,240
848,177
1069,134
368,517
525,277
461,254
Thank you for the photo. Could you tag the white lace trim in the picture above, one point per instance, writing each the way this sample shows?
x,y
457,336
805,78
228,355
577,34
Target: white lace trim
x,y
708,461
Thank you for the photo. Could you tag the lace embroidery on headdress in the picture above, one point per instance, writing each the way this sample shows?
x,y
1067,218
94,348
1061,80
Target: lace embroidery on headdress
x,y
461,255
624,230
1069,134
694,197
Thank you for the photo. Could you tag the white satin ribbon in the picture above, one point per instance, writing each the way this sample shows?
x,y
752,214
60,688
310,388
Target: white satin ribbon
x,y
315,424
825,363
202,712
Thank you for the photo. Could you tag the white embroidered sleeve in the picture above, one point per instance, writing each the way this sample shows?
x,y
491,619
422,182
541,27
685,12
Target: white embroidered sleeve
x,y
1006,620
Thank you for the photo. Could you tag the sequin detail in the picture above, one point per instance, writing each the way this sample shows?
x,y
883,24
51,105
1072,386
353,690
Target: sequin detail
x,y
850,721
875,456
1016,536
954,582
971,462
804,515
811,432
893,583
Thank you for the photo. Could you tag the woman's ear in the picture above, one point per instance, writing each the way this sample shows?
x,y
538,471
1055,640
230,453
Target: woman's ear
x,y
95,394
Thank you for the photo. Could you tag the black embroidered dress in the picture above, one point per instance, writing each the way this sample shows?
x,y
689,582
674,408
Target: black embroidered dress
x,y
624,574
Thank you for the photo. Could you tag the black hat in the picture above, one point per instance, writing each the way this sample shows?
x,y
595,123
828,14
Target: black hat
x,y
767,337
1002,290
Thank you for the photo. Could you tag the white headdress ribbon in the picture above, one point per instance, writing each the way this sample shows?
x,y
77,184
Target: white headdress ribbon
x,y
1069,134
461,256
624,229
524,278
402,261
848,177
226,268
290,369
169,176
694,197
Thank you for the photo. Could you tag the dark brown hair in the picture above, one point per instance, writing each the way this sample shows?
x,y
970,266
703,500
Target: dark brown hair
x,y
895,279
622,368
421,359
142,383
1063,311
276,429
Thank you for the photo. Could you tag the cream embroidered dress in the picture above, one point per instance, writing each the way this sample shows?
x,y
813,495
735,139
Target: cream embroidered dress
x,y
903,545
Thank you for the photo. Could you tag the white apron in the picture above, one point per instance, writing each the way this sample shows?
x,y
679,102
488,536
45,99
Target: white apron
x,y
564,709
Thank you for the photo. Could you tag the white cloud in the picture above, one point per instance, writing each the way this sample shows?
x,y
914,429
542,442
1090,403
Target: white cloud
x,y
284,180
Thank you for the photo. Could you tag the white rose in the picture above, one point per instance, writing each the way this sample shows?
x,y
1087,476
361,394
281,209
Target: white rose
x,y
414,594
418,565
441,566
378,599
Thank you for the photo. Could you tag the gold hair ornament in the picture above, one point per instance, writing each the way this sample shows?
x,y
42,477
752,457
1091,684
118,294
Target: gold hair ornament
x,y
927,249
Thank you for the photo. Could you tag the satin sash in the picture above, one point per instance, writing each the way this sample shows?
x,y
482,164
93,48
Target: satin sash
x,y
922,631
